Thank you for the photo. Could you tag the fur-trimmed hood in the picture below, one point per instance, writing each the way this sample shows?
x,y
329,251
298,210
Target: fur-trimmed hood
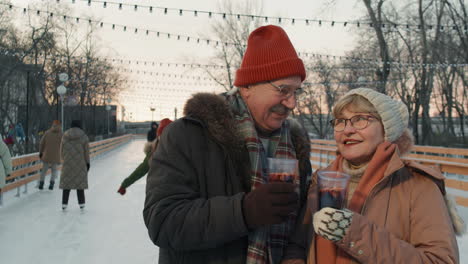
x,y
215,114
405,142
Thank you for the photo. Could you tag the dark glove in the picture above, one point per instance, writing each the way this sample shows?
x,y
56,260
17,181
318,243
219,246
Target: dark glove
x,y
271,203
87,166
40,155
122,190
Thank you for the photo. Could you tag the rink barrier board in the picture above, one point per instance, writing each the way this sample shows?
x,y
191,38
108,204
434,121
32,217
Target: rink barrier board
x,y
27,168
447,160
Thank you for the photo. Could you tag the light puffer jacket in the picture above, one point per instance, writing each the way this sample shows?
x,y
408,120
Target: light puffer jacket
x,y
5,163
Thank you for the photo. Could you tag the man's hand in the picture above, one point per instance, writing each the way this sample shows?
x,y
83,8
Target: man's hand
x,y
271,203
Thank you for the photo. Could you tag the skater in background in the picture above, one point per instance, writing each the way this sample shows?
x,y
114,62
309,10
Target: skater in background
x,y
10,137
143,168
75,156
151,135
49,153
5,163
20,132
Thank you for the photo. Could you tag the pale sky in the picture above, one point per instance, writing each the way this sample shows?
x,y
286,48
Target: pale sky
x,y
155,86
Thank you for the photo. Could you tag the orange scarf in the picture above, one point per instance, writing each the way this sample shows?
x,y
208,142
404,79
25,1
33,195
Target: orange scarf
x,y
326,251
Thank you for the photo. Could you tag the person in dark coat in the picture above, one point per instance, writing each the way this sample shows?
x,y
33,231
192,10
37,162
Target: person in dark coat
x,y
10,138
208,197
143,168
75,156
20,132
151,135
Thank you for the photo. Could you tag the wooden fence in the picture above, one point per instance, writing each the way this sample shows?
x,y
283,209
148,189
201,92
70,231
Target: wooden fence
x,y
27,168
453,162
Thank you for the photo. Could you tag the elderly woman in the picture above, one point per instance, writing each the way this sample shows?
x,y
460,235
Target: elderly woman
x,y
396,210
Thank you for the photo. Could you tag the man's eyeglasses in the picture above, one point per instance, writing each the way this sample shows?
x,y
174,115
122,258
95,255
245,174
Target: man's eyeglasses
x,y
287,91
358,122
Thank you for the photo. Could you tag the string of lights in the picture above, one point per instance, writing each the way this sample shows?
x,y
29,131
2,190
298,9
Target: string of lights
x,y
133,62
215,43
267,19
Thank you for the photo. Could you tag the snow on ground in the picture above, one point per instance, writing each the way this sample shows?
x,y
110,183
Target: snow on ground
x,y
33,228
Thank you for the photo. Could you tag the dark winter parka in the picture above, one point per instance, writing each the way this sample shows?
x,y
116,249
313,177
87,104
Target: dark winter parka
x,y
193,206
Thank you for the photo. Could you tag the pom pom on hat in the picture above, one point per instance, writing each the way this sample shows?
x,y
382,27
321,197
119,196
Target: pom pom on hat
x,y
270,55
394,113
162,124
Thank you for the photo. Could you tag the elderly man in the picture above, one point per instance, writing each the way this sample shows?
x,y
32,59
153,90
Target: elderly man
x,y
208,197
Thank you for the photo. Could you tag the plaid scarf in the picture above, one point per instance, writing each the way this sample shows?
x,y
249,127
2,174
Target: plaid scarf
x,y
266,244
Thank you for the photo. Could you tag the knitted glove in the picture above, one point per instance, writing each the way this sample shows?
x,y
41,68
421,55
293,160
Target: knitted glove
x,y
122,190
87,166
332,223
270,203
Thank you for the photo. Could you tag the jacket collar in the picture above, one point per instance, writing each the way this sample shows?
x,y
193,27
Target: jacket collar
x,y
213,113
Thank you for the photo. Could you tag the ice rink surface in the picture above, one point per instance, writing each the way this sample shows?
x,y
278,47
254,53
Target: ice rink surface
x,y
35,230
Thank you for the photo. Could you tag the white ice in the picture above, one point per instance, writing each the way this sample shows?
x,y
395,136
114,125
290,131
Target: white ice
x,y
33,228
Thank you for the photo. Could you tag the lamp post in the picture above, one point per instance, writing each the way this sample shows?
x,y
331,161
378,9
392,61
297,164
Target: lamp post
x,y
108,108
152,109
61,90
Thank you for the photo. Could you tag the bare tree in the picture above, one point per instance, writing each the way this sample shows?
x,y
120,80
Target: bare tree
x,y
377,18
233,32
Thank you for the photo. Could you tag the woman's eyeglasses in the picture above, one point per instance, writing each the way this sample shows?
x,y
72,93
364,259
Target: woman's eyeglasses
x,y
358,122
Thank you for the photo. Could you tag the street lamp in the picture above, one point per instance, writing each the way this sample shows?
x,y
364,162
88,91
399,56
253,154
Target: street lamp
x,y
152,109
61,90
108,108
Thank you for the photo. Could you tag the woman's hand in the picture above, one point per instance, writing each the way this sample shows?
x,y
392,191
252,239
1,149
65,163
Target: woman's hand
x,y
331,223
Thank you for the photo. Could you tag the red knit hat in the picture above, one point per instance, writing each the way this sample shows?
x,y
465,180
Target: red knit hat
x,y
270,55
162,124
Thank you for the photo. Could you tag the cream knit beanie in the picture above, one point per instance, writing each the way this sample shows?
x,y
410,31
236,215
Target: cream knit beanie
x,y
394,113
